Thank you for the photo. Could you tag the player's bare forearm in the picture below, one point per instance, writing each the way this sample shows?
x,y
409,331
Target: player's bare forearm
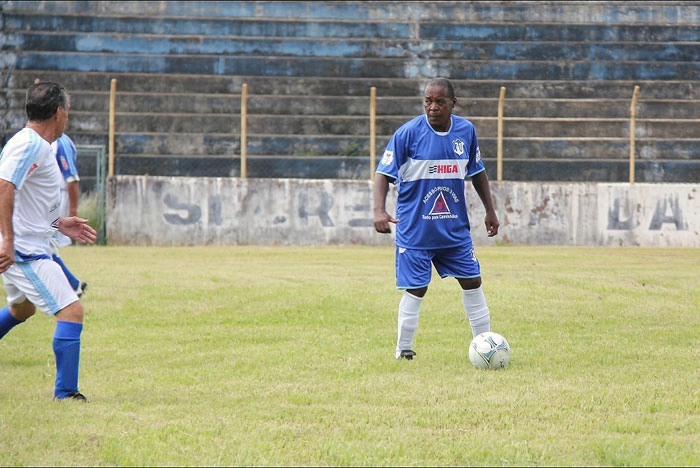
x,y
381,217
73,197
7,204
481,185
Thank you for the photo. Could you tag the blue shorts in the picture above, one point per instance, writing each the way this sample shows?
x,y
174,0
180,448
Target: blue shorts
x,y
414,266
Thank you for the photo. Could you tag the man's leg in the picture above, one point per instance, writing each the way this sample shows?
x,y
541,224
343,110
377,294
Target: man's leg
x,y
7,321
476,310
74,282
413,271
19,314
66,347
409,310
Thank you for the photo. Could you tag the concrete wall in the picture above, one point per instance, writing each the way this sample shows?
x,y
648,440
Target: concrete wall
x,y
175,211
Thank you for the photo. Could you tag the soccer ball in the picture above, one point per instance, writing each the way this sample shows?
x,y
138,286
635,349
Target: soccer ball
x,y
489,350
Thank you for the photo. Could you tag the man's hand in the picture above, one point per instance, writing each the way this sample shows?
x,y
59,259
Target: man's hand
x,y
7,255
78,229
382,220
492,224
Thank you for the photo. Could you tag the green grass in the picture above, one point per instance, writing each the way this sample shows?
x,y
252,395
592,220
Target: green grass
x,y
91,207
284,356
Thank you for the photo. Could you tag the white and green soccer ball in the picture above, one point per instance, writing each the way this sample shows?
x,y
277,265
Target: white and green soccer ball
x,y
489,350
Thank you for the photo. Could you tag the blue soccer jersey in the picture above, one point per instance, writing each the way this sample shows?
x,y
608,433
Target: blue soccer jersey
x,y
67,158
429,169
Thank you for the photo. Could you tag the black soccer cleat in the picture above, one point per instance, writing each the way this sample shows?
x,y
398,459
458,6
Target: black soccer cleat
x,y
80,290
407,354
75,396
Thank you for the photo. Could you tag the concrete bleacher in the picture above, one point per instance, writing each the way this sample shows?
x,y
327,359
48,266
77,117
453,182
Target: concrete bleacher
x,y
569,69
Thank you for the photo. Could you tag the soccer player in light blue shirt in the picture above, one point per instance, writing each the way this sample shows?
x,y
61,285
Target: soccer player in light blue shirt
x,y
429,158
30,202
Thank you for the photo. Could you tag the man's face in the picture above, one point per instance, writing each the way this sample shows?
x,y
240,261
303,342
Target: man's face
x,y
438,107
62,116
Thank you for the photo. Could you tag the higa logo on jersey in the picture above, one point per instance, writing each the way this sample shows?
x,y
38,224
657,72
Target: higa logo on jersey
x,y
443,169
440,208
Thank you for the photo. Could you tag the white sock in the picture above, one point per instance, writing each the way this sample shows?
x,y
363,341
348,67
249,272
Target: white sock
x,y
409,308
476,309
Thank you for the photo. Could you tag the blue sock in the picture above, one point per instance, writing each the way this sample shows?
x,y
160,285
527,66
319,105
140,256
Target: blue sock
x,y
74,282
7,321
66,347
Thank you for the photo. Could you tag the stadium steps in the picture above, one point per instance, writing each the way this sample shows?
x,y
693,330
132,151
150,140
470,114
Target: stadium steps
x,y
569,71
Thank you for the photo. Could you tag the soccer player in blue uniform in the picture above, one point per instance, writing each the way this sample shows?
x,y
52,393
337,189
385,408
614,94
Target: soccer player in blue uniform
x,y
67,159
30,203
429,158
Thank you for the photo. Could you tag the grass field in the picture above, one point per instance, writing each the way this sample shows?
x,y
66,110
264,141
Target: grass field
x,y
284,356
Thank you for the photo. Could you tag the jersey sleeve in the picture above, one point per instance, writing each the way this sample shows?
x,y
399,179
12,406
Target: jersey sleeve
x,y
396,153
388,164
475,164
67,158
18,158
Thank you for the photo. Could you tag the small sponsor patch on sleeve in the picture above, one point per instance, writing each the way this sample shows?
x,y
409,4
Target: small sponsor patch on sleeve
x,y
387,158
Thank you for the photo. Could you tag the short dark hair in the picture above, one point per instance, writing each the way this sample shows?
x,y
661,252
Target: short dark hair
x,y
443,83
44,99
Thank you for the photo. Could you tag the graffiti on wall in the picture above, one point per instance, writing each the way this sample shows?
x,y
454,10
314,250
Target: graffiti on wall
x,y
667,212
314,206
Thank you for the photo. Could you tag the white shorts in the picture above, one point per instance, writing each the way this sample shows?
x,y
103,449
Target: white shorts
x,y
42,282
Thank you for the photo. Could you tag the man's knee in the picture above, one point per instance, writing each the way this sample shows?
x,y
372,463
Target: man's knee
x,y
71,313
22,310
470,283
420,292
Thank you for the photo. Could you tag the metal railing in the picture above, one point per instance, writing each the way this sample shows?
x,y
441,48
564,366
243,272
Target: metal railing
x,y
502,162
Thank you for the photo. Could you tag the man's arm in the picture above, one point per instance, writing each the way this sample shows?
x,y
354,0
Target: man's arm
x,y
381,217
481,184
77,229
7,207
73,197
